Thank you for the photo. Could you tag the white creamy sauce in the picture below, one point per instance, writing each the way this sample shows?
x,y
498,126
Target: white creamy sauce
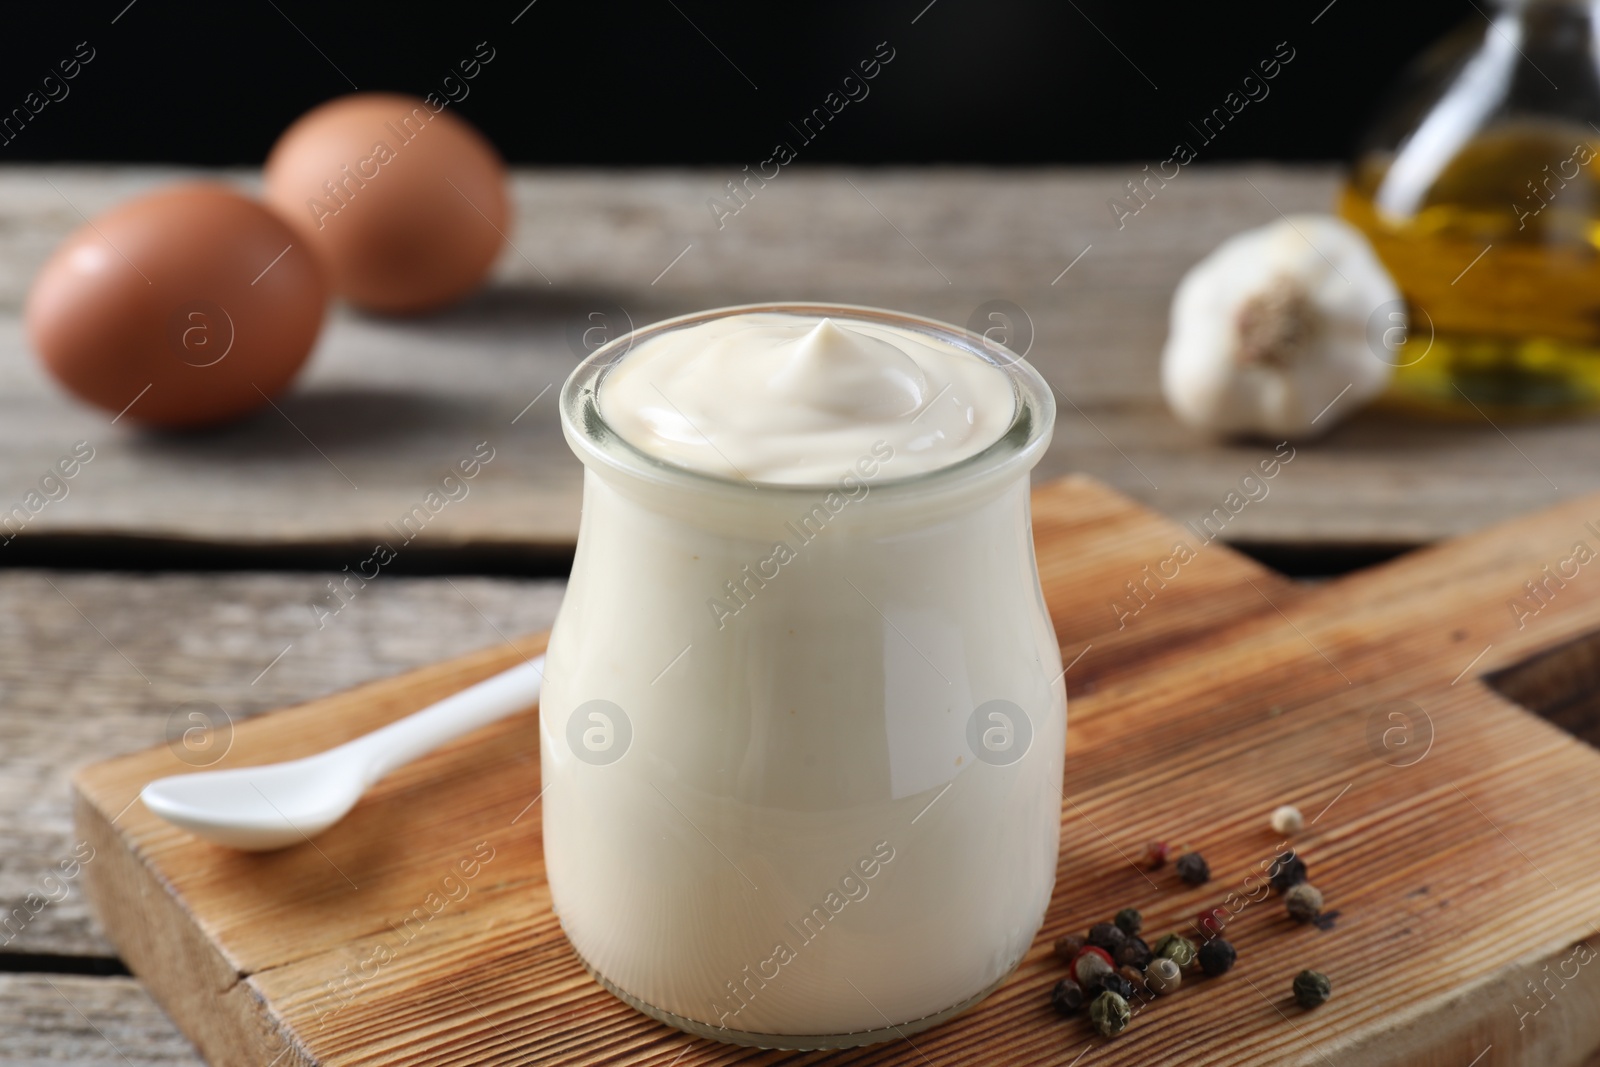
x,y
791,399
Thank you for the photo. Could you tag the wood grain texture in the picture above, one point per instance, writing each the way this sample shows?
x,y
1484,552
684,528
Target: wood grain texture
x,y
393,404
48,1021
1458,876
68,697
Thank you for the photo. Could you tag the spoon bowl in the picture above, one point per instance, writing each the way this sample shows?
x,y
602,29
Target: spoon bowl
x,y
258,808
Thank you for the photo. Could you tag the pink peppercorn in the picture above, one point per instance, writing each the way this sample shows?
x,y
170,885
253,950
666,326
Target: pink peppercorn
x,y
1090,964
1211,921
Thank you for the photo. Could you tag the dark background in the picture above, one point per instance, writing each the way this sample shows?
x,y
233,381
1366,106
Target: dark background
x,y
973,81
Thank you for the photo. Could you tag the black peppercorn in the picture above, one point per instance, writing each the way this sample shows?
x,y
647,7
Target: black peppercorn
x,y
1135,979
1287,871
1311,988
1192,868
1216,956
1134,953
1129,921
1113,982
1067,997
1106,936
1068,947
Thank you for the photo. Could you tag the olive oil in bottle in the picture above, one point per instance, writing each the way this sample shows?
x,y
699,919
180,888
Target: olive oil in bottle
x,y
1484,203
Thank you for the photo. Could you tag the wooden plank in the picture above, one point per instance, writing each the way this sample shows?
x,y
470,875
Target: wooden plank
x,y
393,404
88,1022
1227,694
68,697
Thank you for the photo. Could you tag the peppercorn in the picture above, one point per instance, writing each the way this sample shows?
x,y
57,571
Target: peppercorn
x,y
1216,956
1110,1014
1112,982
1129,921
1134,977
1304,902
1211,921
1067,997
1163,975
1090,964
1068,947
1288,820
1107,936
1155,855
1192,868
1286,871
1311,988
1133,953
1175,947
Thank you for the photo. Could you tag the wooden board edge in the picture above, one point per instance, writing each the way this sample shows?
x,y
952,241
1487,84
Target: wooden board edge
x,y
208,996
1529,1012
204,995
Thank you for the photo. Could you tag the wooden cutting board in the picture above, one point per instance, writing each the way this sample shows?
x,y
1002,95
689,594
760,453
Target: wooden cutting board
x,y
1453,832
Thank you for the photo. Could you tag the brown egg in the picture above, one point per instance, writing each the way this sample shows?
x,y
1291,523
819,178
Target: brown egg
x,y
192,304
406,204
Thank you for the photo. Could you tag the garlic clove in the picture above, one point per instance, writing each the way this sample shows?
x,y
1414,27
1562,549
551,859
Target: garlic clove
x,y
1271,328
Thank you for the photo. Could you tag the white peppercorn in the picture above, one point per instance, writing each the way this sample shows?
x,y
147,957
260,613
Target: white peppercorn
x,y
1288,820
1163,975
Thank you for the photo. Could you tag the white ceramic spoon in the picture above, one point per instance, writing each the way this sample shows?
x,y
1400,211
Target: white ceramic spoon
x,y
279,804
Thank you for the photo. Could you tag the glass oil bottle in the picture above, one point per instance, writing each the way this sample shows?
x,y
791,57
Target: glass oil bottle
x,y
1480,192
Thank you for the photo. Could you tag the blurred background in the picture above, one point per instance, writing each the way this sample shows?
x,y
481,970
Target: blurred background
x,y
1007,81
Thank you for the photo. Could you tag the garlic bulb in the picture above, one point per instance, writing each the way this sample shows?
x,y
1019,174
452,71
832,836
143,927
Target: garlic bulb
x,y
1272,327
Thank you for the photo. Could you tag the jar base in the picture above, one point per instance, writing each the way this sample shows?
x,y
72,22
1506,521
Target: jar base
x,y
795,1042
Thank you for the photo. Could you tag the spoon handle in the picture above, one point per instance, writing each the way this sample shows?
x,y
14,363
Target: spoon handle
x,y
460,713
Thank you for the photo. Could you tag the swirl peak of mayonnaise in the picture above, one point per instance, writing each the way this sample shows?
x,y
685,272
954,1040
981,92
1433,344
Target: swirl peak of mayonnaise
x,y
798,400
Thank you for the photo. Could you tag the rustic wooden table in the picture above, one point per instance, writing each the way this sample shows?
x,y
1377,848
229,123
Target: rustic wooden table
x,y
181,569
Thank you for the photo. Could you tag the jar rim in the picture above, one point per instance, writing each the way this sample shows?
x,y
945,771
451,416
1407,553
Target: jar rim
x,y
595,441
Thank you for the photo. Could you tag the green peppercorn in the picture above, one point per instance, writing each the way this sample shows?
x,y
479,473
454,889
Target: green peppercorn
x,y
1107,936
1067,997
1110,1014
1287,870
1135,979
1303,901
1175,947
1129,921
1311,988
1192,868
1216,956
1133,953
1068,947
1163,975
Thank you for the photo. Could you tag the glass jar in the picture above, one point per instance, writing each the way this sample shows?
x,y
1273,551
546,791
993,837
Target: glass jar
x,y
1480,191
802,745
